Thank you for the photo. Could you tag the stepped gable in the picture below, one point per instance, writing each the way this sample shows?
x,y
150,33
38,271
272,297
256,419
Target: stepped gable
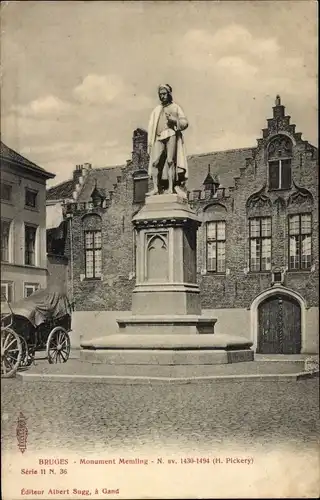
x,y
225,164
8,154
103,179
61,191
280,123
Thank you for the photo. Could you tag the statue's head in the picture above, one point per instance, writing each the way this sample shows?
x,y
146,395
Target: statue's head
x,y
165,93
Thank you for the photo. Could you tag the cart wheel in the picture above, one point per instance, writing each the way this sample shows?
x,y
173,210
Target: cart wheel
x,y
27,354
58,346
11,352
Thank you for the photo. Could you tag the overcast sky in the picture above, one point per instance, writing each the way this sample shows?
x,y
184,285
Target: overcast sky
x,y
79,77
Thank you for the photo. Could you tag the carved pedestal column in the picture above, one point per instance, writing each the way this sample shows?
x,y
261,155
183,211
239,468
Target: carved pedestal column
x,y
166,275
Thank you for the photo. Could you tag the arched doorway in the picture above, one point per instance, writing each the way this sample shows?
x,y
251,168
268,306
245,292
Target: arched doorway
x,y
279,325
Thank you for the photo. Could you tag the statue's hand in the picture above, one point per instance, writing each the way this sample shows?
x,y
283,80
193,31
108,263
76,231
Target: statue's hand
x,y
171,119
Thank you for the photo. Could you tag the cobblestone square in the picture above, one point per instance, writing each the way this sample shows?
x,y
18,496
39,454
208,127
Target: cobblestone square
x,y
73,416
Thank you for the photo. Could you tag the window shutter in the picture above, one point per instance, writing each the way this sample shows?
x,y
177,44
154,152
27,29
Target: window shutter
x,y
274,174
286,174
140,189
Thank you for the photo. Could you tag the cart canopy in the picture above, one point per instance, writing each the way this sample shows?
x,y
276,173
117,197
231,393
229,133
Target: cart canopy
x,y
43,305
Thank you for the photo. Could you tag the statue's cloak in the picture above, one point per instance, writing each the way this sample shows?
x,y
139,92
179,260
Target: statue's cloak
x,y
181,159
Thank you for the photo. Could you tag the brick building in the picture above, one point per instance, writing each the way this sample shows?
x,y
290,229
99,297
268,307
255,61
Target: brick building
x,y
257,247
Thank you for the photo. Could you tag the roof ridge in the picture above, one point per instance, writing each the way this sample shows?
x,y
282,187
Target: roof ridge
x,y
108,168
19,155
89,172
221,151
12,155
60,184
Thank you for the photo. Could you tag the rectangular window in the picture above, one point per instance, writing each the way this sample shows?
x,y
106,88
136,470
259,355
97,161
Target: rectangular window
x,y
260,243
300,241
6,291
31,198
30,245
93,250
6,192
280,174
5,240
140,188
216,246
30,288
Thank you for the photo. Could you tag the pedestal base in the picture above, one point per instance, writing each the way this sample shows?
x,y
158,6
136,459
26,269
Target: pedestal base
x,y
167,349
166,299
166,327
168,324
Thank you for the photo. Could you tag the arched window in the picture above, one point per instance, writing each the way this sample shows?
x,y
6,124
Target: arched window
x,y
279,161
92,246
214,217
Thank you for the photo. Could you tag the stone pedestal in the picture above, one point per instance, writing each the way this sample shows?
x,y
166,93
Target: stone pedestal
x,y
166,307
166,298
166,275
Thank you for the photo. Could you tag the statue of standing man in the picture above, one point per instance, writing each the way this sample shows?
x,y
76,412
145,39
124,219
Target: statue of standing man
x,y
168,163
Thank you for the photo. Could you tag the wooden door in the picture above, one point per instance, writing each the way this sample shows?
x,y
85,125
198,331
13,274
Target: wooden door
x,y
279,325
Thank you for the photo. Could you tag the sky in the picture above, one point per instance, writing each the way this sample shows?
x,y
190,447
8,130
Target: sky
x,y
79,77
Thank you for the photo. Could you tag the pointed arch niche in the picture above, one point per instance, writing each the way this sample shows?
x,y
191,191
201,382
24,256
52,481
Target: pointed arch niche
x,y
259,204
157,261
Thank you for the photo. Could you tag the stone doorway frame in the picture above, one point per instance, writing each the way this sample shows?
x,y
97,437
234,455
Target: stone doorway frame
x,y
275,290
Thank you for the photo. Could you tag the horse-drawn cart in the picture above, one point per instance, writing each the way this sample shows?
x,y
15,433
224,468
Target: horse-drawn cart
x,y
41,322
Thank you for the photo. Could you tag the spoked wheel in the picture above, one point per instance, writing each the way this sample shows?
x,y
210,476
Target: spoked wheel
x,y
27,354
11,352
58,346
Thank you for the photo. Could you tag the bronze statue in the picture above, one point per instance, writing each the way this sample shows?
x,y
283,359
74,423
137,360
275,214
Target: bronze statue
x,y
168,163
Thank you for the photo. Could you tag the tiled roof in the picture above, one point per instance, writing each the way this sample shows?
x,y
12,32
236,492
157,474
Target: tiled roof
x,y
103,178
61,191
224,164
12,156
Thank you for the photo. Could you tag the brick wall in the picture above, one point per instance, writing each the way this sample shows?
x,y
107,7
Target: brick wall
x,y
237,287
113,291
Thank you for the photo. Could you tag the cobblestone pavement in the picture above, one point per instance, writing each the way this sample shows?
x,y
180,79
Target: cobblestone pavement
x,y
92,416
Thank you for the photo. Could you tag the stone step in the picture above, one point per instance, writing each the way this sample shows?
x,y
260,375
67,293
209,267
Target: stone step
x,y
165,357
76,367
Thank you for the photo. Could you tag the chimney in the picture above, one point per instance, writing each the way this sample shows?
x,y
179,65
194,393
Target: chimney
x,y
77,173
140,147
80,171
87,166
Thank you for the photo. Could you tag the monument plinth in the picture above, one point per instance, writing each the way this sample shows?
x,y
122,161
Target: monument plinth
x,y
166,326
166,298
